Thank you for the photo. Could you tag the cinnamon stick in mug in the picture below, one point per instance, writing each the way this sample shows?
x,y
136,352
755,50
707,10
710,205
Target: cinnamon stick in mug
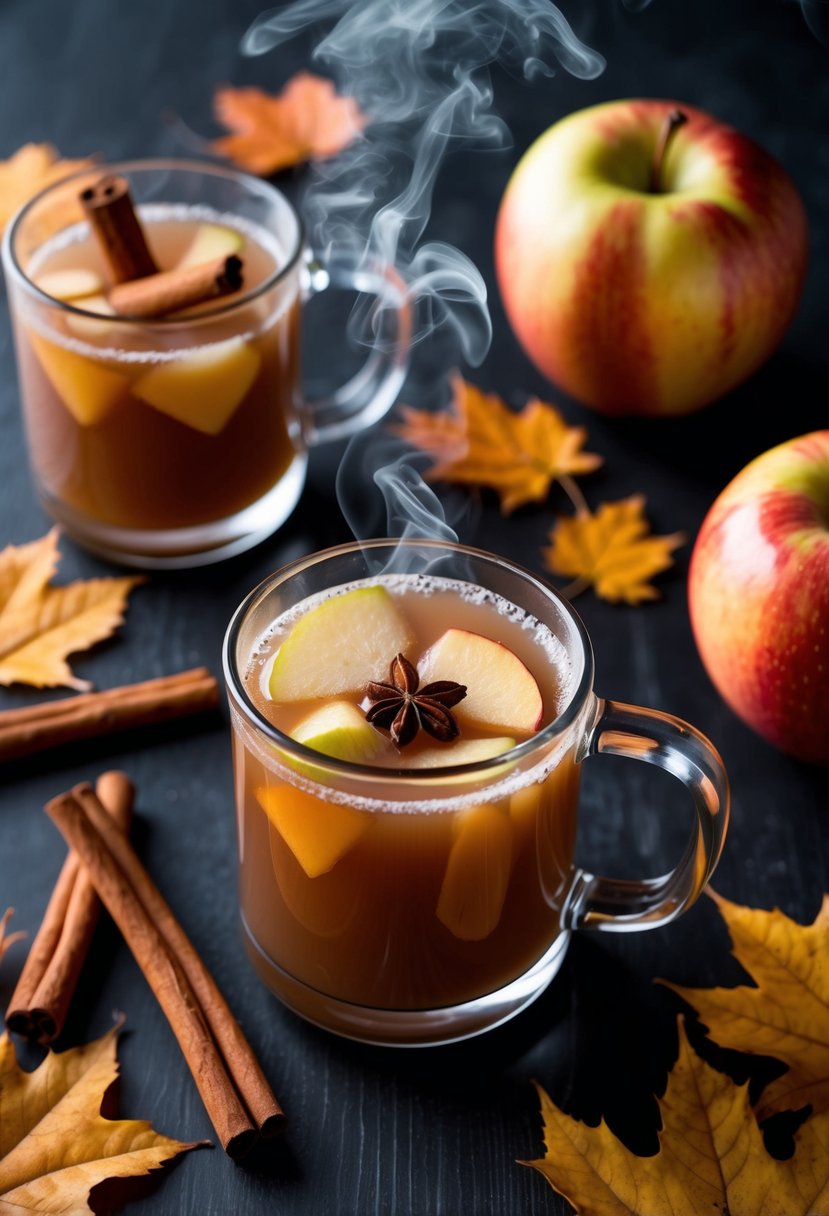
x,y
108,207
172,290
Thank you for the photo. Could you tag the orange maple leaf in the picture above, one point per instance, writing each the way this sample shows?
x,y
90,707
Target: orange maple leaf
x,y
787,1014
481,442
55,1145
40,624
30,169
711,1156
611,551
307,120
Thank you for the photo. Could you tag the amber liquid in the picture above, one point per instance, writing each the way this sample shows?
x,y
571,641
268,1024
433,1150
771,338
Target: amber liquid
x,y
100,448
398,906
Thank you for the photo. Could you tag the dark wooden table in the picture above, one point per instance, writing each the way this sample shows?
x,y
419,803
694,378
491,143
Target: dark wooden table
x,y
436,1131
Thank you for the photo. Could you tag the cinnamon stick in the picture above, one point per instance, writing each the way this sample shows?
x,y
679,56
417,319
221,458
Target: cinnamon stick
x,y
23,732
233,1088
108,207
41,1000
171,290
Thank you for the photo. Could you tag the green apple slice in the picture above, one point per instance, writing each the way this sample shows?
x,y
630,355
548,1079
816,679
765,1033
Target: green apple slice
x,y
204,388
210,242
339,645
464,751
88,388
477,874
340,730
70,285
318,833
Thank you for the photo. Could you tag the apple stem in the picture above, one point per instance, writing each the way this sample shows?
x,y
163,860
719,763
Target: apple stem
x,y
674,119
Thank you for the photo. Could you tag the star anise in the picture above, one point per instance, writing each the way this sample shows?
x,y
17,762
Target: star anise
x,y
402,707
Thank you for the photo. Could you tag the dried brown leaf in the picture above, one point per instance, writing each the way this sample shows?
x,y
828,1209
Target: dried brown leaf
x,y
711,1157
611,551
55,1145
481,442
306,121
40,624
787,1014
30,169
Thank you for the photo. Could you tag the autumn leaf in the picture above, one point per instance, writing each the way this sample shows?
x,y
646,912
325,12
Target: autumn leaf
x,y
55,1145
306,121
611,551
481,442
711,1156
40,624
30,169
8,939
787,1015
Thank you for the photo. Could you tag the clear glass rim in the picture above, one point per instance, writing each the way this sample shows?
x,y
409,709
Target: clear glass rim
x,y
298,751
158,164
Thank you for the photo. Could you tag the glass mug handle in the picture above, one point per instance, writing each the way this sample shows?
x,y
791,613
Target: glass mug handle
x,y
370,393
621,905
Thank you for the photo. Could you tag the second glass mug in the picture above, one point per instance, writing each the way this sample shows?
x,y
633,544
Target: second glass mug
x,y
363,947
177,442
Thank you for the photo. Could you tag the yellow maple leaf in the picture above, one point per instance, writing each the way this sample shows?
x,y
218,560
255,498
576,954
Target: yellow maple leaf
x,y
711,1156
8,939
55,1145
307,120
481,442
30,169
611,551
787,1014
40,624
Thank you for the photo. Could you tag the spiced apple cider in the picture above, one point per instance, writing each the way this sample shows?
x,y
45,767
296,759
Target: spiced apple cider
x,y
152,408
430,868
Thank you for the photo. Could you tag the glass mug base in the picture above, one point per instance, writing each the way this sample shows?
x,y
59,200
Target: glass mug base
x,y
185,548
404,1027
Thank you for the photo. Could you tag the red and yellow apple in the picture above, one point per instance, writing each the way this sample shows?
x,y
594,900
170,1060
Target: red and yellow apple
x,y
758,592
643,283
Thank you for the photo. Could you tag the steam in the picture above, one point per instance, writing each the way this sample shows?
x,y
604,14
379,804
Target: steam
x,y
816,16
419,69
382,493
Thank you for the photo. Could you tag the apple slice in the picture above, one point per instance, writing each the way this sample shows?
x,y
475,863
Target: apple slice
x,y
340,730
318,833
339,645
211,241
88,327
204,388
464,751
88,388
70,285
477,874
326,905
500,691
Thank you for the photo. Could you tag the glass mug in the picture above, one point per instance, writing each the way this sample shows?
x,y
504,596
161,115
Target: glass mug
x,y
181,441
445,897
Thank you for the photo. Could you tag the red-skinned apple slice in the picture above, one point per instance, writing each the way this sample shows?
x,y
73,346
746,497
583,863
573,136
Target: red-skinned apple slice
x,y
501,691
